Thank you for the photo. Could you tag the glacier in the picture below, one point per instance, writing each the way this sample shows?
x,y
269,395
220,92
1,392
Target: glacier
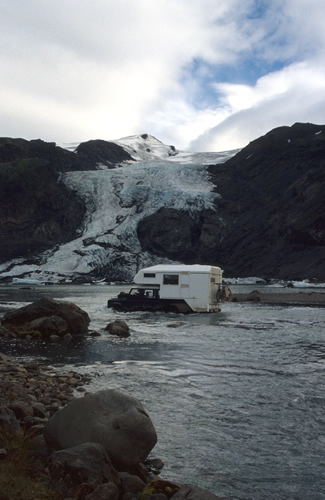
x,y
116,200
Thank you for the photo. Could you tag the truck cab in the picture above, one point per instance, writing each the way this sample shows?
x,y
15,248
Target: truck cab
x,y
146,298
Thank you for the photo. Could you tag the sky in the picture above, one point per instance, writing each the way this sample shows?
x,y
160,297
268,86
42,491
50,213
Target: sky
x,y
202,75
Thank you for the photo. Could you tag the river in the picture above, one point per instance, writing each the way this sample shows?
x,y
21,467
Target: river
x,y
237,397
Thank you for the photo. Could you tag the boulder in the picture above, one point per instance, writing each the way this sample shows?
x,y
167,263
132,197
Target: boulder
x,y
7,334
159,489
86,465
77,319
8,421
156,496
189,492
21,409
65,313
106,491
253,296
116,420
119,328
131,483
49,325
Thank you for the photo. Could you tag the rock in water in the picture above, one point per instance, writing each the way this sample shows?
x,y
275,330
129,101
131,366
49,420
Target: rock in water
x,y
109,417
119,328
62,317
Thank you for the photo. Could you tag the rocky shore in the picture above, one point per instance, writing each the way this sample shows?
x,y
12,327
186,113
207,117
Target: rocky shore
x,y
35,392
41,402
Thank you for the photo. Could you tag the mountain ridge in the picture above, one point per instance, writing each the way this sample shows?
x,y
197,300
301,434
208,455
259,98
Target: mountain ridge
x,y
254,211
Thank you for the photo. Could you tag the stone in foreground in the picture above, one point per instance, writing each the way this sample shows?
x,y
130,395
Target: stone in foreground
x,y
83,465
109,417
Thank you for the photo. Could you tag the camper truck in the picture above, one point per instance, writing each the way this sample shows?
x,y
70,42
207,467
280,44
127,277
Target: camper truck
x,y
174,288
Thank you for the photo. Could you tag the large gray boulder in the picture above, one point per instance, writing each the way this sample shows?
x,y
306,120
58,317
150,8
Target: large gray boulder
x,y
76,319
109,417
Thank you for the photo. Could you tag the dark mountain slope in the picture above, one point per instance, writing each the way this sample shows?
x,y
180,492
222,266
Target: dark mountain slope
x,y
275,192
37,211
270,220
98,152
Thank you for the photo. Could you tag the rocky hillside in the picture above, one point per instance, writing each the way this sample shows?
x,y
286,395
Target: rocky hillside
x,y
267,220
274,192
37,211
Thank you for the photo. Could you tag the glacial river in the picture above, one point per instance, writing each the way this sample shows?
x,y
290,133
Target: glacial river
x,y
237,397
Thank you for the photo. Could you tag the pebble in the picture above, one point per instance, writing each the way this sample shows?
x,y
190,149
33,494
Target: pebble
x,y
35,392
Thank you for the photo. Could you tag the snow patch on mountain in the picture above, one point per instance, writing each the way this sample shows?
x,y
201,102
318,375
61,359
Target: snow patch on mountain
x,y
146,147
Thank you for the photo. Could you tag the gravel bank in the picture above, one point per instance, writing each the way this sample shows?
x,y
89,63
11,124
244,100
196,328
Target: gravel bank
x,y
289,298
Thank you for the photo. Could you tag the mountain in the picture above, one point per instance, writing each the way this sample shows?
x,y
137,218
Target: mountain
x,y
274,192
105,209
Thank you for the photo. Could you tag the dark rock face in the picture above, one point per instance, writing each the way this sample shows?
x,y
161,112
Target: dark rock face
x,y
275,204
102,152
270,219
176,235
37,211
169,232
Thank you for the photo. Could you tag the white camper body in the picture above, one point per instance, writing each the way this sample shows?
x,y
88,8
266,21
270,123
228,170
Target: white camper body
x,y
199,286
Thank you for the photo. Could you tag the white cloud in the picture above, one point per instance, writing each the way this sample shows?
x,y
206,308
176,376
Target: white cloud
x,y
75,70
294,94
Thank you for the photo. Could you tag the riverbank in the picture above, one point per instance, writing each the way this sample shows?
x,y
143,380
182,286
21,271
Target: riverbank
x,y
34,392
30,394
283,298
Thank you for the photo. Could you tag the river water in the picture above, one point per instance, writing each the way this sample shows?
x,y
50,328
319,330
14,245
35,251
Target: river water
x,y
237,397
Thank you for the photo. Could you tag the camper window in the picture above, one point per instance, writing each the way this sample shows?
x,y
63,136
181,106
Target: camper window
x,y
170,279
149,275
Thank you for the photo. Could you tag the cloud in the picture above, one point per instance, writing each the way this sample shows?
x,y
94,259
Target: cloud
x,y
295,93
196,73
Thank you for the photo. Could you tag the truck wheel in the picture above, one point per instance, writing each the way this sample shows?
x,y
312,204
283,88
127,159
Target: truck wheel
x,y
118,307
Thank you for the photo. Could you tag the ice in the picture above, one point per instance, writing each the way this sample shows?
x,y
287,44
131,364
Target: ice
x,y
26,281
